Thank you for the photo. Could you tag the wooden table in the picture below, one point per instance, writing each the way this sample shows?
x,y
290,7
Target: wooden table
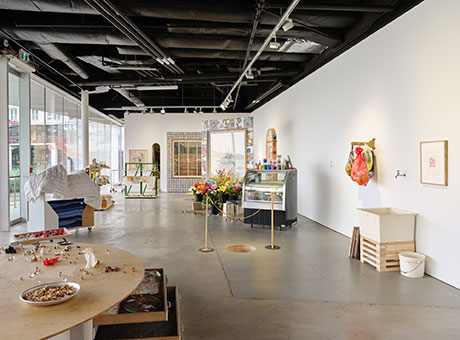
x,y
99,291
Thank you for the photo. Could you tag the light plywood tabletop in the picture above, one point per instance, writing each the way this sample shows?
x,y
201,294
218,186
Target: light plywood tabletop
x,y
99,290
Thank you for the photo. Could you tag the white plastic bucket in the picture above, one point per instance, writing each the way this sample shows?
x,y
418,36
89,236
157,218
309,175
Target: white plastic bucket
x,y
412,264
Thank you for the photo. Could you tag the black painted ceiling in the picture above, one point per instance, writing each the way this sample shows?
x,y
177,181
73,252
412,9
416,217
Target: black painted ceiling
x,y
111,47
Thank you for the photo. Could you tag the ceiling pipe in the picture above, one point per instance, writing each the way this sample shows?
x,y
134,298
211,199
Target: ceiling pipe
x,y
260,4
57,52
264,95
227,100
133,99
148,41
127,27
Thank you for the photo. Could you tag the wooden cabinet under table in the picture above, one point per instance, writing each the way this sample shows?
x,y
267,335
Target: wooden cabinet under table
x,y
129,318
159,330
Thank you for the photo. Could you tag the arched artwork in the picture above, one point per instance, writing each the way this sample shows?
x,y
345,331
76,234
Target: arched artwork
x,y
270,140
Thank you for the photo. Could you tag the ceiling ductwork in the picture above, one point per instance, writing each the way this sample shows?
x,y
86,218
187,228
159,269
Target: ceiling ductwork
x,y
214,52
211,54
325,39
99,37
128,95
97,62
59,53
182,10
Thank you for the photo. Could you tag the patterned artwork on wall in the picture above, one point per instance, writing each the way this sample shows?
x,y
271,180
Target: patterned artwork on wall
x,y
227,124
178,184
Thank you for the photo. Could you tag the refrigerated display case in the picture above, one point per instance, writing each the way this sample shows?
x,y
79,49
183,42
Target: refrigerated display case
x,y
259,185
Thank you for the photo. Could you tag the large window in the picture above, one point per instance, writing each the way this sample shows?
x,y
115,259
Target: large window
x,y
37,127
14,142
186,158
56,132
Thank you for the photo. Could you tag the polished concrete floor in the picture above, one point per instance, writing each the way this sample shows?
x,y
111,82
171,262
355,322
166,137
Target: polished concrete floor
x,y
309,289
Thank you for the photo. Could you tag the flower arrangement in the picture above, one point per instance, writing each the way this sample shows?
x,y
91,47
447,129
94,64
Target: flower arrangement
x,y
227,185
199,188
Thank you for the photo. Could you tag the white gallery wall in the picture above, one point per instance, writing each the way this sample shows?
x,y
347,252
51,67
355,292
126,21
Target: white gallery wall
x,y
144,130
400,86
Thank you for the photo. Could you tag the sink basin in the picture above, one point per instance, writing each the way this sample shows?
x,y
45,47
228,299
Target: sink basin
x,y
387,224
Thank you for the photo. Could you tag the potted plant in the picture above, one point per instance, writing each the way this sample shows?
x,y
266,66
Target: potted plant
x,y
212,193
196,188
235,190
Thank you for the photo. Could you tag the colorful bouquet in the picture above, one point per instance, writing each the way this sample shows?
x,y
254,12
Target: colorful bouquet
x,y
199,188
228,186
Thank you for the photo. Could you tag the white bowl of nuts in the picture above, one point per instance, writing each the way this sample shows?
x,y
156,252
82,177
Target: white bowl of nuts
x,y
48,294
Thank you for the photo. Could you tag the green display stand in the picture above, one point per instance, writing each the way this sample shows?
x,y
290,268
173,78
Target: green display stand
x,y
141,174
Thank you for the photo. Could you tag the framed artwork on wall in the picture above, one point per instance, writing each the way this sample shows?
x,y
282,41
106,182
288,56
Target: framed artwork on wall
x,y
137,156
433,162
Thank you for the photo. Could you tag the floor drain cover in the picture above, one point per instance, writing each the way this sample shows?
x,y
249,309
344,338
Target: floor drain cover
x,y
241,248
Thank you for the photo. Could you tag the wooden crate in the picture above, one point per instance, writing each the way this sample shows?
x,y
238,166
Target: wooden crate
x,y
162,315
197,206
383,256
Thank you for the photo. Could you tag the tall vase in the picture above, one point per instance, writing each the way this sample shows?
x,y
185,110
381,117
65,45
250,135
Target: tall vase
x,y
224,198
214,210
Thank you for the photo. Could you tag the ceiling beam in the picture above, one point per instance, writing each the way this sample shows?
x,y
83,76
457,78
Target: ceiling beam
x,y
186,79
335,7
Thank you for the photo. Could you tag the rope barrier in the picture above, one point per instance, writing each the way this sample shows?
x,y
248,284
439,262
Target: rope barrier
x,y
235,217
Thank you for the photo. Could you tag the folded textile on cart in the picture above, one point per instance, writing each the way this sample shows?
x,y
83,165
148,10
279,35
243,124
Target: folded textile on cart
x,y
56,181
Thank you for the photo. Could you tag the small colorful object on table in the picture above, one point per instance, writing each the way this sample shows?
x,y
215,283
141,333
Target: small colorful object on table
x,y
50,262
42,235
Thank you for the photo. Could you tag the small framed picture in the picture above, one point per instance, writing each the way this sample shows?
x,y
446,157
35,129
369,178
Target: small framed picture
x,y
433,162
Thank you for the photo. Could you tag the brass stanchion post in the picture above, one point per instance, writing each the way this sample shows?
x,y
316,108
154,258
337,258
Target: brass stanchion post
x,y
206,249
272,246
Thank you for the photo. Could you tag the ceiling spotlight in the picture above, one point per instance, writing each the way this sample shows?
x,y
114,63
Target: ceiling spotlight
x,y
194,111
249,74
162,111
223,107
200,111
274,45
214,110
288,24
185,110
